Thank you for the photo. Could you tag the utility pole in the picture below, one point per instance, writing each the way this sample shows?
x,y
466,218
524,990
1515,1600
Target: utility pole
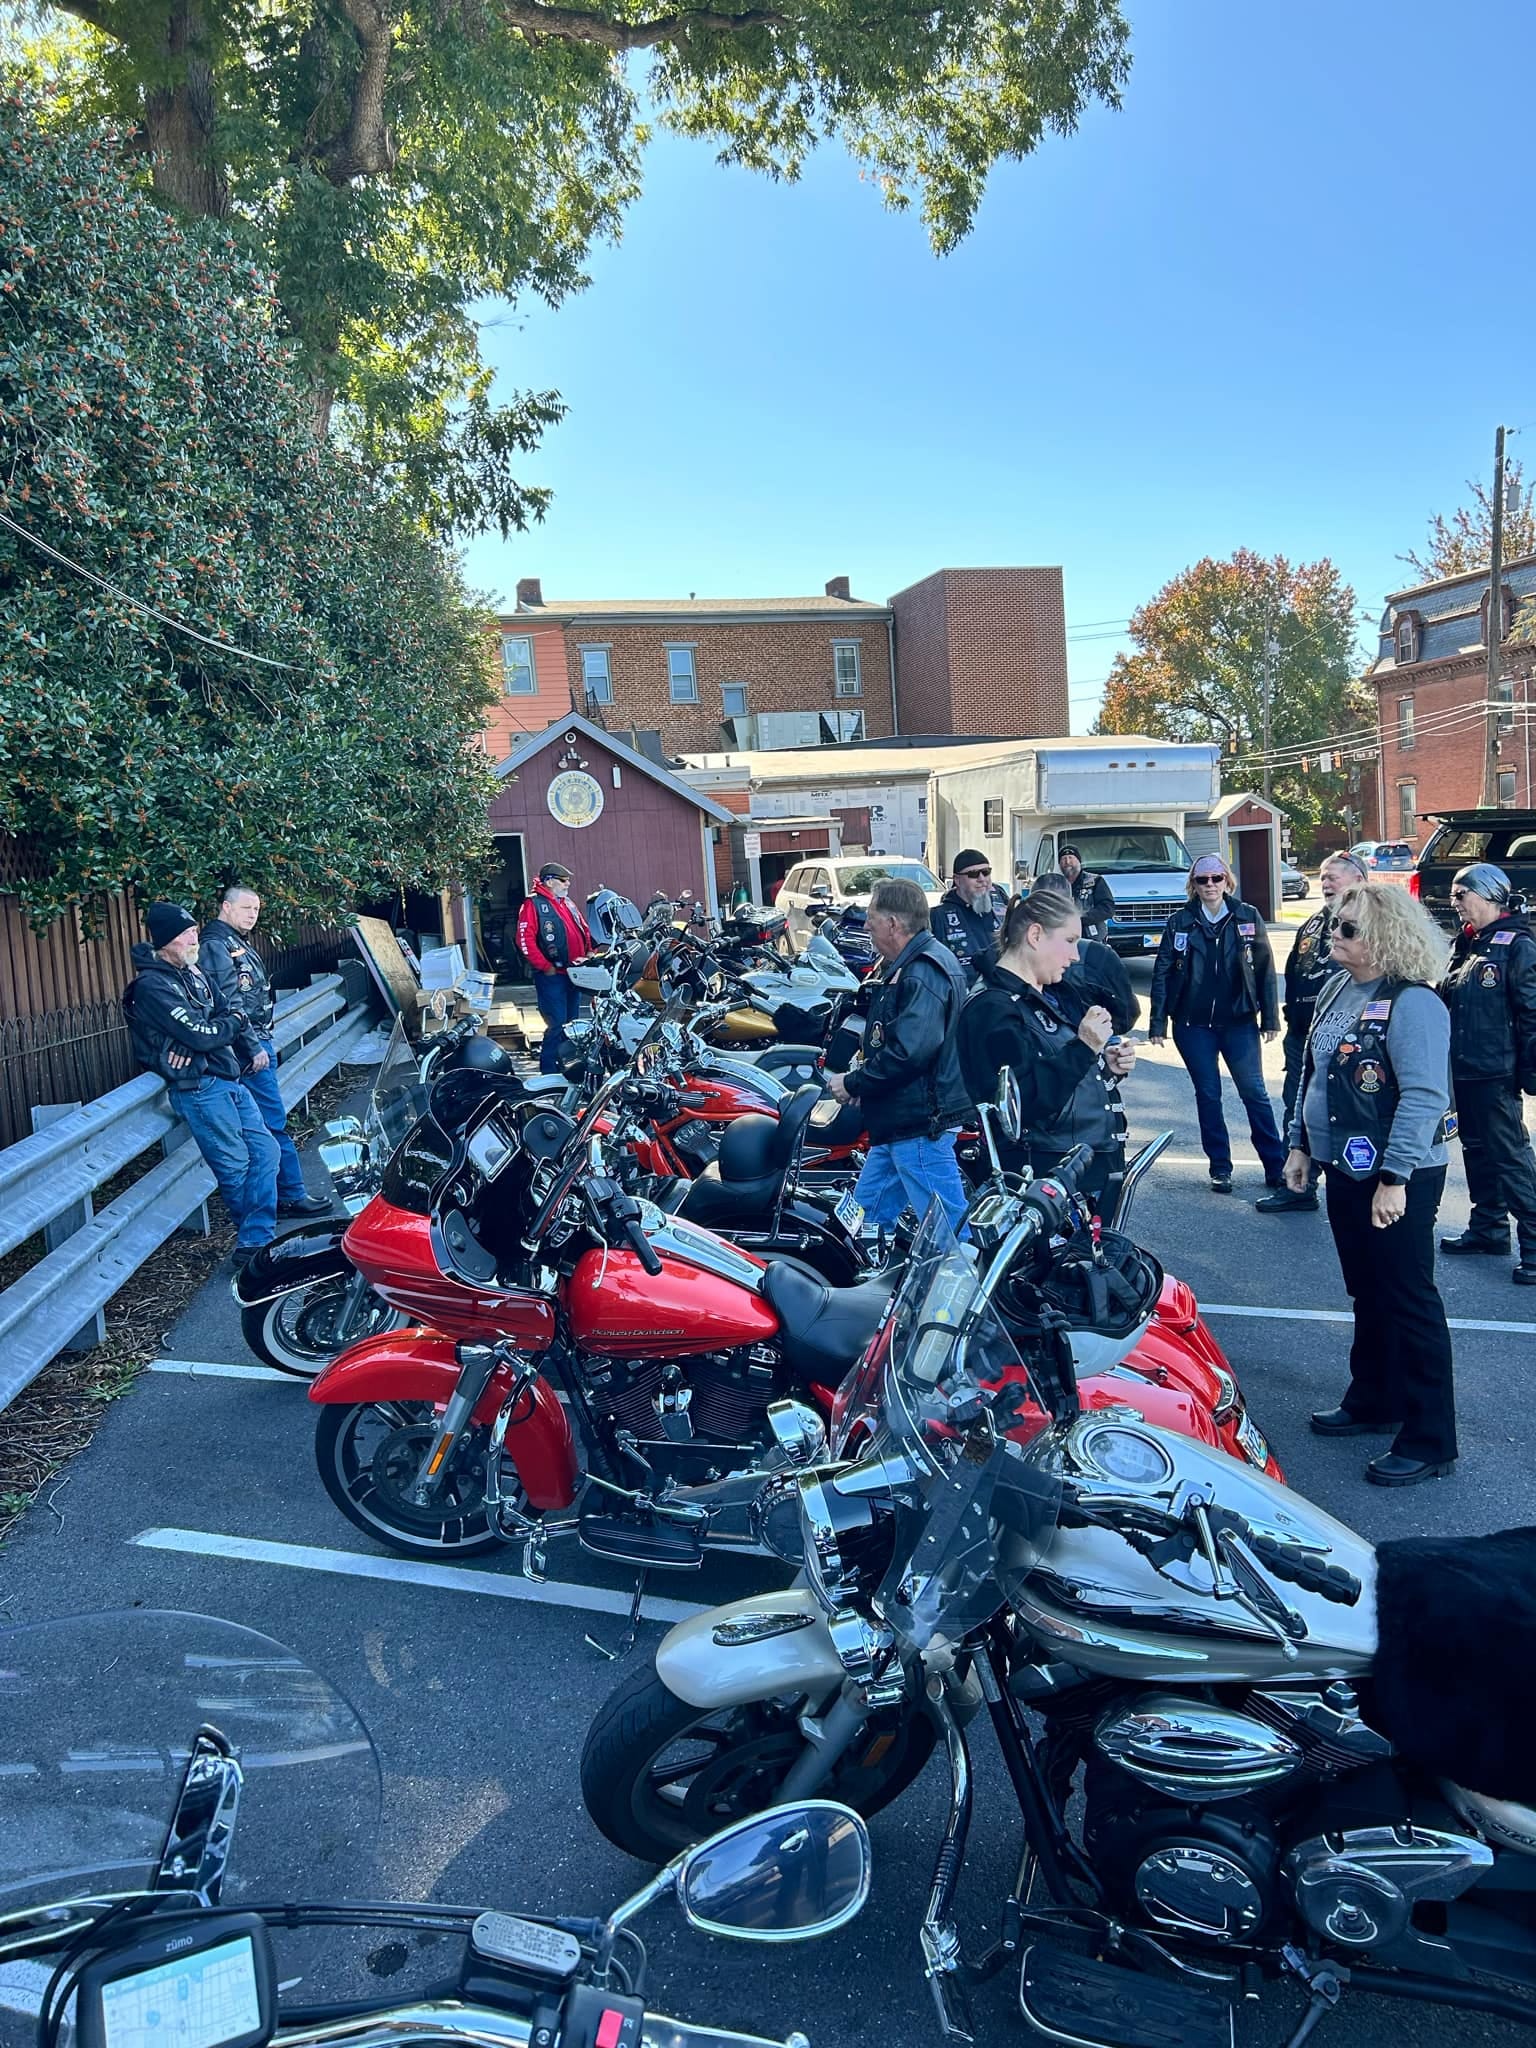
x,y
1495,627
1269,656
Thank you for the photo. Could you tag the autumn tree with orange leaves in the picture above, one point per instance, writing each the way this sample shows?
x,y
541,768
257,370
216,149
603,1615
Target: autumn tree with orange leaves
x,y
1197,673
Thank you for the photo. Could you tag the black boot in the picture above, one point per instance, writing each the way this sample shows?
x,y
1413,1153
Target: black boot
x,y
1524,1274
1278,1200
1475,1241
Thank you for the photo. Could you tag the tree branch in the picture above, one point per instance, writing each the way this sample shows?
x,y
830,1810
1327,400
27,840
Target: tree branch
x,y
575,25
369,144
92,15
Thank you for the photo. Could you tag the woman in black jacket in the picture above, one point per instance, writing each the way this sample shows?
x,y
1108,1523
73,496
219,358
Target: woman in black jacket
x,y
1022,1015
1215,978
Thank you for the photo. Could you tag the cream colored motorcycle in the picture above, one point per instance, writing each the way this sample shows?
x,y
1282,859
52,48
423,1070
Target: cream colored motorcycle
x,y
1179,1639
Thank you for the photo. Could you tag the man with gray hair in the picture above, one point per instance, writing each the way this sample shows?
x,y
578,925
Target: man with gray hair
x,y
239,974
907,1080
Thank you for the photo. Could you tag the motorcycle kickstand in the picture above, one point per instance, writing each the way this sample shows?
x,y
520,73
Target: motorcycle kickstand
x,y
1325,1987
631,1633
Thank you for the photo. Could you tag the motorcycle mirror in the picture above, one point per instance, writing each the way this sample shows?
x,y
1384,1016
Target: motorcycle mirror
x,y
202,1827
787,1875
1010,1107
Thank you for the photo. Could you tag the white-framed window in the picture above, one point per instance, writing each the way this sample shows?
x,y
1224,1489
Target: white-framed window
x,y
1407,638
1506,794
596,675
1407,809
517,665
1405,727
848,677
733,700
992,817
682,678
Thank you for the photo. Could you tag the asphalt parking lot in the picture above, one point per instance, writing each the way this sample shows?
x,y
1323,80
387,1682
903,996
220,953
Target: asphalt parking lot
x,y
199,1493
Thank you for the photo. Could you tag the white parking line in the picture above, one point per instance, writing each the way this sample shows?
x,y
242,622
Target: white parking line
x,y
451,1578
215,1369
1344,1315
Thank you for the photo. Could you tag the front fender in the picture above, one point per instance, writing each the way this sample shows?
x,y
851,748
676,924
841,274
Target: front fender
x,y
292,1262
419,1365
704,1672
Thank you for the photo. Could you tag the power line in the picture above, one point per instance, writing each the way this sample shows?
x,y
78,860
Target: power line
x,y
138,604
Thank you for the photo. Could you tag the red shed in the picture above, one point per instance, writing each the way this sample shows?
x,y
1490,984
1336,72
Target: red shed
x,y
579,795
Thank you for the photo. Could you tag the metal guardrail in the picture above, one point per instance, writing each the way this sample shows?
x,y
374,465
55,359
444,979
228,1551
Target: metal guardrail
x,y
46,1183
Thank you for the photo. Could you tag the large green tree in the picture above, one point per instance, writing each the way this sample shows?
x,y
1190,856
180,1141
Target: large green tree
x,y
1198,671
394,164
224,647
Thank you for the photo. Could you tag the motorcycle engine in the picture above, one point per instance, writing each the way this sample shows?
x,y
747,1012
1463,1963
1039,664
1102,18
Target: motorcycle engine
x,y
730,1392
1209,1872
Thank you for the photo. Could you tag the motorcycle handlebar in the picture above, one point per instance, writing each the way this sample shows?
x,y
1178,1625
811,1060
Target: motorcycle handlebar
x,y
641,1246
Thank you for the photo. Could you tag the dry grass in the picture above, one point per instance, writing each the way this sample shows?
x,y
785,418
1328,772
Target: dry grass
x,y
59,1413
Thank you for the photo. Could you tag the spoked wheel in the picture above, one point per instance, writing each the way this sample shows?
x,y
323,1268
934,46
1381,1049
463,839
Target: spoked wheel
x,y
369,1457
658,1774
300,1333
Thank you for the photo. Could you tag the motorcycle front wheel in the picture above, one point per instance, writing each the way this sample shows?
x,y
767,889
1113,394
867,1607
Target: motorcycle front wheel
x,y
298,1332
369,1456
658,1775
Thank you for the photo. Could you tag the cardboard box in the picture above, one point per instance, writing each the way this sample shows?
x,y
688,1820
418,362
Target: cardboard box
x,y
441,967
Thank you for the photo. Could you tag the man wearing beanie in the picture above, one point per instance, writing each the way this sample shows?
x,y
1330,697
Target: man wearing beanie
x,y
970,912
1490,991
552,936
183,1031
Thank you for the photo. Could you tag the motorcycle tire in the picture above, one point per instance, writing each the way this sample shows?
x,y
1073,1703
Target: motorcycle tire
x,y
294,1333
643,1801
366,1477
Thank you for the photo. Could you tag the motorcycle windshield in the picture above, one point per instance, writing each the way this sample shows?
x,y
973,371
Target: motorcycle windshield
x,y
97,1717
963,1423
399,1100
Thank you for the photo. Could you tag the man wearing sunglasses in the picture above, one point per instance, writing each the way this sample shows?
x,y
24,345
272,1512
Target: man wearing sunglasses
x,y
1215,980
1490,991
970,913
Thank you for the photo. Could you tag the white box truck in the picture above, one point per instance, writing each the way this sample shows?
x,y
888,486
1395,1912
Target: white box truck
x,y
1120,801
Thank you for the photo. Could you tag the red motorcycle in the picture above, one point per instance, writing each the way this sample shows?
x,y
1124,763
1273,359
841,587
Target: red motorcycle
x,y
691,1370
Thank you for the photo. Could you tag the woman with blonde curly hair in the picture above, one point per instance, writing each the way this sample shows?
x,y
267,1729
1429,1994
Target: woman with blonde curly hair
x,y
1373,1110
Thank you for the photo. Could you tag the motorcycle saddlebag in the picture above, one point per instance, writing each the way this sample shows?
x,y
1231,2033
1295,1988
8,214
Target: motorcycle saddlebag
x,y
292,1262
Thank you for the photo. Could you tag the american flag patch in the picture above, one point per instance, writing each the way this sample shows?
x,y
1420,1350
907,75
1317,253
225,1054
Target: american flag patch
x,y
1376,1013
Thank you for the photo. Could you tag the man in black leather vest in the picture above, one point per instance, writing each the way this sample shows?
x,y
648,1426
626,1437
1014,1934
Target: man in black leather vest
x,y
970,912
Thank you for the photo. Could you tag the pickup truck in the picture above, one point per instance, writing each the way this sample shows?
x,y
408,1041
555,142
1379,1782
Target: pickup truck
x,y
1507,838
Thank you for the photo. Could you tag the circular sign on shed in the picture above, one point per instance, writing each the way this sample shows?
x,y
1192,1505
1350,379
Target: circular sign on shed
x,y
575,799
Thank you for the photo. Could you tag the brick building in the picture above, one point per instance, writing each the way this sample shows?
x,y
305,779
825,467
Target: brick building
x,y
1430,678
983,651
965,650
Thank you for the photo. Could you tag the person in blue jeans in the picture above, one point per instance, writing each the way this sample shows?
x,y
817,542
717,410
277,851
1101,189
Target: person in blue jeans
x,y
907,1080
552,935
1215,980
239,976
183,1031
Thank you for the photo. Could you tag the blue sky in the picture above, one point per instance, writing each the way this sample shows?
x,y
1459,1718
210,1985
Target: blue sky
x,y
1270,303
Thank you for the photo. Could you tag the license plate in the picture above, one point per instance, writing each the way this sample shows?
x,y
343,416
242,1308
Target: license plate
x,y
850,1214
1251,1443
1149,939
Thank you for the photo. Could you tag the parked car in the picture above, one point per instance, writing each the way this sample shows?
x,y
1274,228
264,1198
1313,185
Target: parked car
x,y
1507,838
1293,882
838,882
1384,856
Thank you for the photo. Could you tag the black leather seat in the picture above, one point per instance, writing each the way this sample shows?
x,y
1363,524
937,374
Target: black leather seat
x,y
758,1148
727,1205
825,1329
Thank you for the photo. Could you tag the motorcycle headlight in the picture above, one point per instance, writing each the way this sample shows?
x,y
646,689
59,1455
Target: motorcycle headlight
x,y
343,1156
848,1534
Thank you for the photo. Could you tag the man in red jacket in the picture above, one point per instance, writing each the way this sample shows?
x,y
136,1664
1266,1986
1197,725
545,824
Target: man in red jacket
x,y
552,936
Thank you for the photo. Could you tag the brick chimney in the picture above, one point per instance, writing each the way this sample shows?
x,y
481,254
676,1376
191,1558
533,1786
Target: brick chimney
x,y
530,593
838,587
